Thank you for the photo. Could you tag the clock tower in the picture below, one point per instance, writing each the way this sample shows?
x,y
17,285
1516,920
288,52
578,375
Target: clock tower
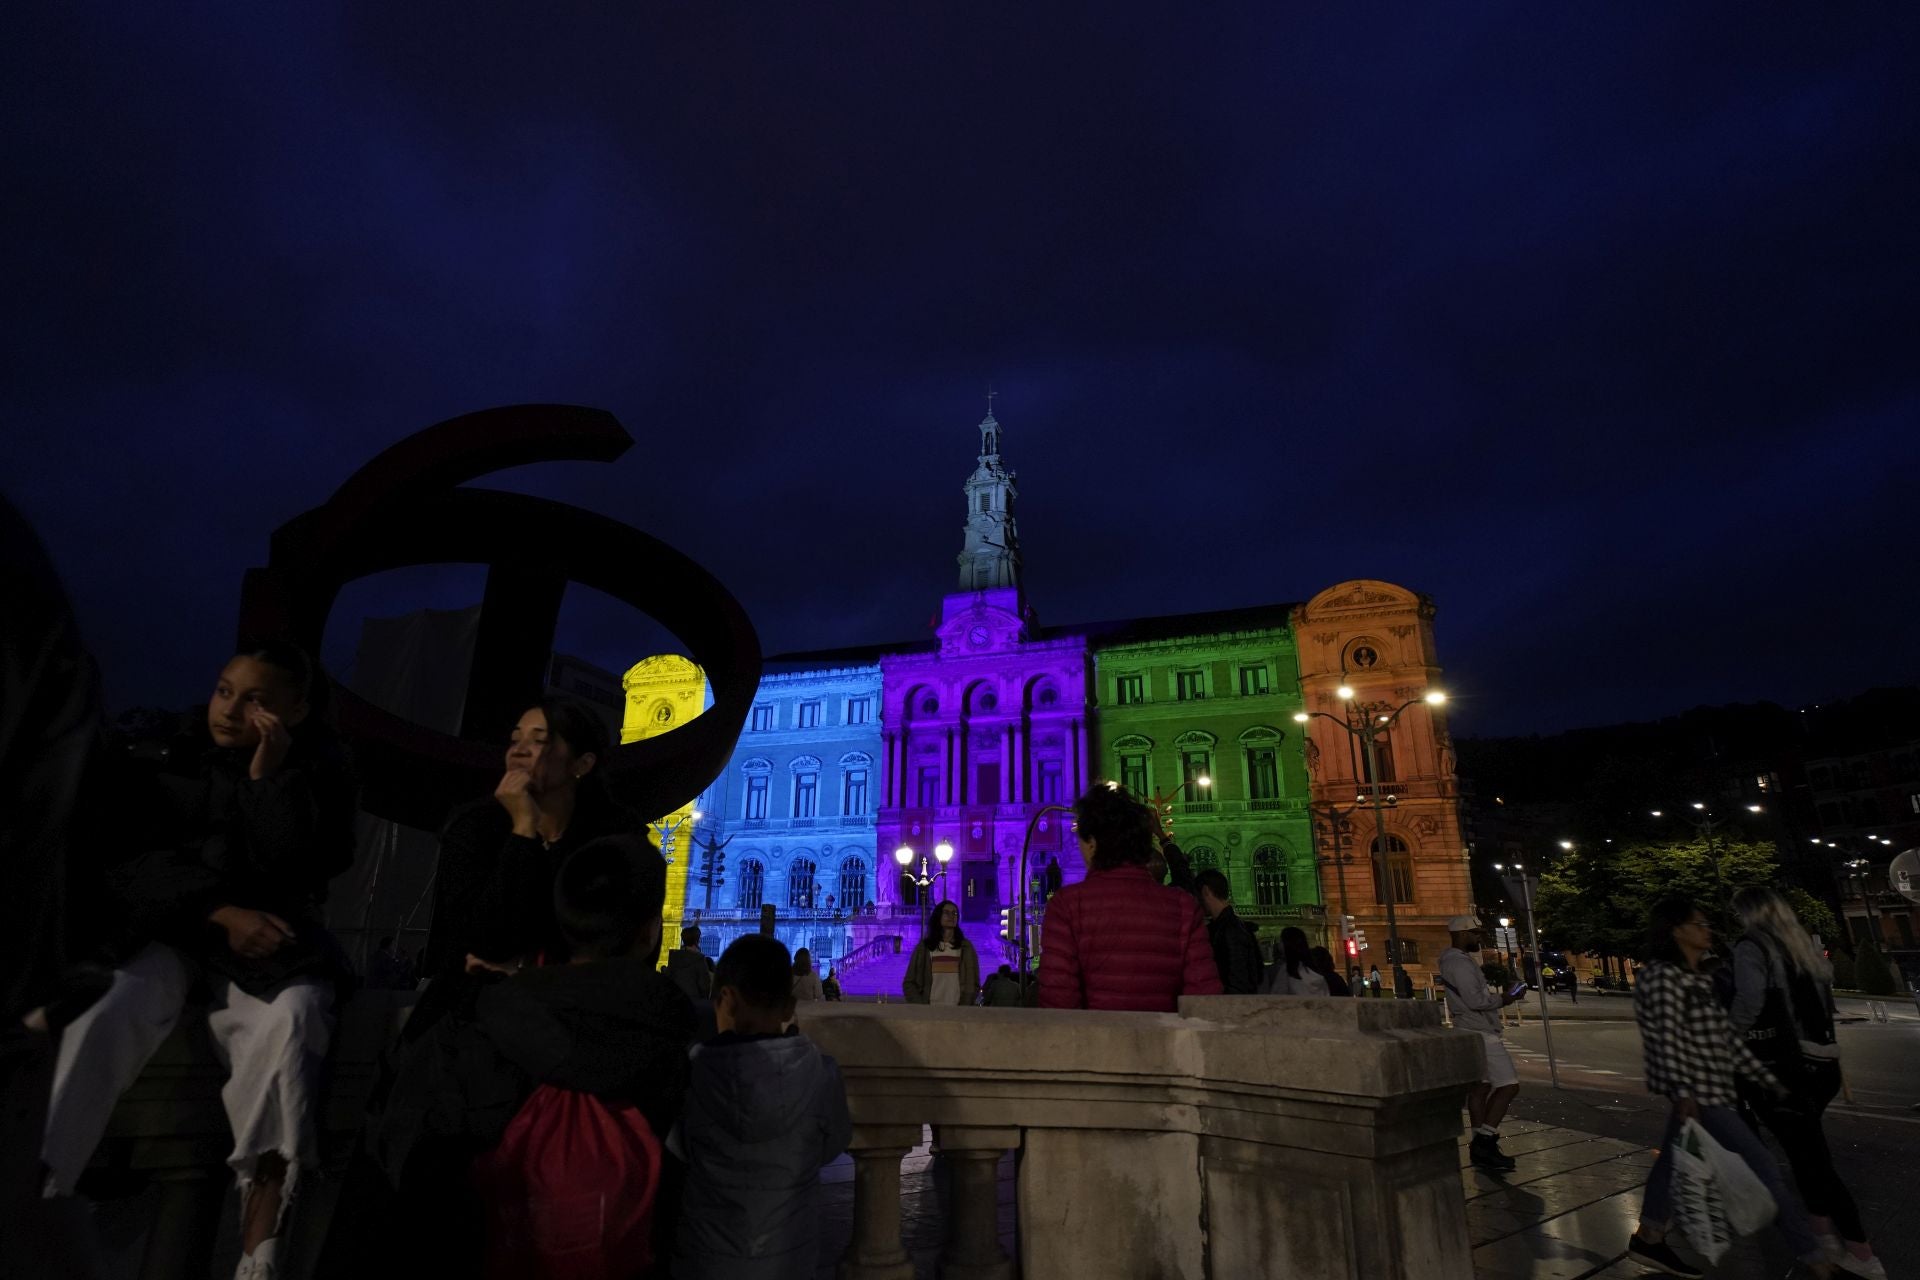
x,y
991,557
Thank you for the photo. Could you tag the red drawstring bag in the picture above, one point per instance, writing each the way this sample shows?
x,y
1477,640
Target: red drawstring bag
x,y
570,1190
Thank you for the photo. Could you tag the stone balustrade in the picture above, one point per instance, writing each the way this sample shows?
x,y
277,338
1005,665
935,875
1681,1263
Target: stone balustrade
x,y
1243,1136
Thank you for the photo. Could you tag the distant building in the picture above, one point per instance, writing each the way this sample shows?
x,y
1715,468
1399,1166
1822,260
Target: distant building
x,y
967,739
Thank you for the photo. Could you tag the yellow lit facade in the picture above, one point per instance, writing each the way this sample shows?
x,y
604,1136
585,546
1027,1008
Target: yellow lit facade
x,y
663,693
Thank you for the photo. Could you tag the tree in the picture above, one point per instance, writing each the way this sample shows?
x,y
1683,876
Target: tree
x,y
1598,902
1870,970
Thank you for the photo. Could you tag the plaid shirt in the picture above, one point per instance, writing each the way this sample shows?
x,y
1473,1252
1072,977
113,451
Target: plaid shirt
x,y
1689,1046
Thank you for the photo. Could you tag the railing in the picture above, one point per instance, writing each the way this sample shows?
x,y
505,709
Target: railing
x,y
872,949
1199,1123
1283,804
1242,1136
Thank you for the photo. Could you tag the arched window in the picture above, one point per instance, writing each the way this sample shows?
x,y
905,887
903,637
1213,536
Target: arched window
x,y
1203,857
853,882
753,883
1270,877
800,873
1398,870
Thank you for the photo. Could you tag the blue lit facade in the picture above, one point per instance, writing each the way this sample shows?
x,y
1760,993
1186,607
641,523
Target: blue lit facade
x,y
794,811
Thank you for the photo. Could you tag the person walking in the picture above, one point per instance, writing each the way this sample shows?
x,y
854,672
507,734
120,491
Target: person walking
x,y
1693,1057
1474,1008
1783,1005
1235,953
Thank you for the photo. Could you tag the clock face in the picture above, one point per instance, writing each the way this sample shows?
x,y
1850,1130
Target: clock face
x,y
979,637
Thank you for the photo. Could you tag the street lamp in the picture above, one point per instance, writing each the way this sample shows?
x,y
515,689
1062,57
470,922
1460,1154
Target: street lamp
x,y
1163,804
666,831
1369,728
904,855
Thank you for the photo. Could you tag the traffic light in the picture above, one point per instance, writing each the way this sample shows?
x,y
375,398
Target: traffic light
x,y
1353,948
1006,924
1360,938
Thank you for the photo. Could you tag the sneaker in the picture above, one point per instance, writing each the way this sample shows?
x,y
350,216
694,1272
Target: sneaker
x,y
1847,1264
1485,1151
1661,1257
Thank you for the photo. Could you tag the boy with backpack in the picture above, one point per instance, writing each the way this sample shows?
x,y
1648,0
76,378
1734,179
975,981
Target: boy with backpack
x,y
765,1109
577,1186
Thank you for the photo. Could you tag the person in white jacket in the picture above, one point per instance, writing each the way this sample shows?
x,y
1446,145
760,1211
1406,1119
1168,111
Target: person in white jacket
x,y
1474,1007
1293,973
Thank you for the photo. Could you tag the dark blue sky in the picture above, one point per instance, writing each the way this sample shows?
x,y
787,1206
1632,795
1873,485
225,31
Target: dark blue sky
x,y
1597,323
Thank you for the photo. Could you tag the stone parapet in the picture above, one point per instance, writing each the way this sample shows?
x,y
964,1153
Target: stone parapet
x,y
1242,1136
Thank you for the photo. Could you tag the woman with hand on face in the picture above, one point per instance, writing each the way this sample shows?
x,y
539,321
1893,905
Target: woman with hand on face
x,y
493,892
233,866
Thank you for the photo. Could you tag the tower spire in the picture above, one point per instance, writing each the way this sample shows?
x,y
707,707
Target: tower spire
x,y
991,556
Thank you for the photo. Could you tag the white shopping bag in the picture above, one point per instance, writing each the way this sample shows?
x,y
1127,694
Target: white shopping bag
x,y
1717,1198
1749,1204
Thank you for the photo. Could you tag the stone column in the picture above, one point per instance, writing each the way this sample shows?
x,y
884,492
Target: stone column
x,y
875,1252
1074,783
950,770
973,1249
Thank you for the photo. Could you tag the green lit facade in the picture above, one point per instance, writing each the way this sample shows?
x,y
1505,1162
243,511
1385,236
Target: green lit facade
x,y
1215,694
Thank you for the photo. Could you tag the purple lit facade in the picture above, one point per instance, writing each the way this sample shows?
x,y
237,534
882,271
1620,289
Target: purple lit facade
x,y
978,736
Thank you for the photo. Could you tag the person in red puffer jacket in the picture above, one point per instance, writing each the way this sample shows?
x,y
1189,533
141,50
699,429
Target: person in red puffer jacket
x,y
1120,939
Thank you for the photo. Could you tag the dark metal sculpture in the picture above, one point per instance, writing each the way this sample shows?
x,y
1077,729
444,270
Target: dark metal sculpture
x,y
408,507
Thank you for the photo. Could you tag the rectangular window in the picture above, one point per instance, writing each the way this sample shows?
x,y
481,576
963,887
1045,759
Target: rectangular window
x,y
1050,779
1253,680
853,799
929,786
1409,951
1193,767
1189,686
806,795
1133,775
757,797
762,719
1263,773
859,710
809,715
986,784
1270,888
1129,690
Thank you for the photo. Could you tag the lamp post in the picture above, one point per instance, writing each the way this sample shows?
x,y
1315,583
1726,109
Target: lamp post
x,y
1526,902
1024,890
1369,729
904,855
712,864
1163,805
667,830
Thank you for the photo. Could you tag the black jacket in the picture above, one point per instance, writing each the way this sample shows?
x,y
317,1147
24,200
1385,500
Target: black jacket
x,y
1235,953
217,837
493,890
611,1028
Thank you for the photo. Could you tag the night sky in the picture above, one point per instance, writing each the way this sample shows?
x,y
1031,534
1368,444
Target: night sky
x,y
1597,322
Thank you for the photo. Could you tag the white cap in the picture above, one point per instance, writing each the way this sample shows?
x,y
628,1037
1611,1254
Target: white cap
x,y
1462,924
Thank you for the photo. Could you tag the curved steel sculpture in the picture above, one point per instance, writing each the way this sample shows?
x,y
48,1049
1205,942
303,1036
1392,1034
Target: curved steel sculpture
x,y
408,507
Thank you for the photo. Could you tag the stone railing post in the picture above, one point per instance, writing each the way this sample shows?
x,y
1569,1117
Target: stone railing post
x,y
973,1249
875,1252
